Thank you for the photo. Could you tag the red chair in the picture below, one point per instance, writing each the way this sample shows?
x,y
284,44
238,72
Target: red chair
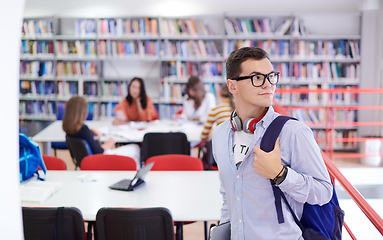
x,y
105,162
54,163
175,162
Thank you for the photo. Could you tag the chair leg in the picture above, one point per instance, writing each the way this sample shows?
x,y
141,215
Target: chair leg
x,y
179,231
55,150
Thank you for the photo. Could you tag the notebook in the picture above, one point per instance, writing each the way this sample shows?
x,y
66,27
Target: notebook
x,y
220,232
130,184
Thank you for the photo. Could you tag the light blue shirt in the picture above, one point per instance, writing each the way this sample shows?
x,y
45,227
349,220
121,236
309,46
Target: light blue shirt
x,y
248,200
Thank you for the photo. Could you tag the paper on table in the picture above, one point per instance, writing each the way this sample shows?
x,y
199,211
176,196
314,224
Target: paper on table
x,y
36,191
104,130
138,125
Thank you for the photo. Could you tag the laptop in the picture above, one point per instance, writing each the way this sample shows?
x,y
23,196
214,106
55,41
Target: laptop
x,y
130,184
220,232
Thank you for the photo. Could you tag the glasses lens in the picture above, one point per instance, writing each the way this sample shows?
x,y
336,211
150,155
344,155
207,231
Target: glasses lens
x,y
273,77
258,80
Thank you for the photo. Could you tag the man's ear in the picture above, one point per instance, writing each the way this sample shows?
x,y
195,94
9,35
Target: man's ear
x,y
231,86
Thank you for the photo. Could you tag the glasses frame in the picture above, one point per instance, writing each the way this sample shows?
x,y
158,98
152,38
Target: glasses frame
x,y
264,78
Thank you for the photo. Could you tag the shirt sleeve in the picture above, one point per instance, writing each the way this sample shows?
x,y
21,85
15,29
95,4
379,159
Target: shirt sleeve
x,y
121,107
208,105
224,209
87,134
307,179
208,124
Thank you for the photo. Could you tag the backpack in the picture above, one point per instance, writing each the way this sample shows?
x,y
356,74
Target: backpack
x,y
317,222
30,158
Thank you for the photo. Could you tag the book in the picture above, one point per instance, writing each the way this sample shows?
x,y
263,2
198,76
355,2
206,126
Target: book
x,y
36,191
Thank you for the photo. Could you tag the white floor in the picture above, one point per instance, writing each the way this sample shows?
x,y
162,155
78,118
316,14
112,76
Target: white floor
x,y
369,182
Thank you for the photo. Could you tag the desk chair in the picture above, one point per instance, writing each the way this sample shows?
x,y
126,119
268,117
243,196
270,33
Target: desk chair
x,y
137,224
58,145
177,162
53,223
205,153
78,148
108,163
155,144
54,163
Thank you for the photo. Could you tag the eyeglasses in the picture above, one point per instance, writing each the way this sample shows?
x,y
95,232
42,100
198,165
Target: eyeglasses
x,y
259,79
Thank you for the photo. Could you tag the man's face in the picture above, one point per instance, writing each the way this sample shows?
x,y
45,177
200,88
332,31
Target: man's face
x,y
249,95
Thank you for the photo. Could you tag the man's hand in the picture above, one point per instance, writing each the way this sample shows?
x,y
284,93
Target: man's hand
x,y
268,165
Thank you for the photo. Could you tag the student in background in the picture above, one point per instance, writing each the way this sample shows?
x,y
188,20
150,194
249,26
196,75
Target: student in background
x,y
220,113
197,103
137,106
73,125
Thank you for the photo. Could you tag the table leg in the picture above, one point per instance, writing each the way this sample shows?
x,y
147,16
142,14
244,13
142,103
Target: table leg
x,y
179,231
89,231
206,233
47,148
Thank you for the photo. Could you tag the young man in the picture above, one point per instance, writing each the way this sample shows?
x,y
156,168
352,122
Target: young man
x,y
245,170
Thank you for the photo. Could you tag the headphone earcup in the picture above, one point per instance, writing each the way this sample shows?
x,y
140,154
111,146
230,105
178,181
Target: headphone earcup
x,y
236,123
249,125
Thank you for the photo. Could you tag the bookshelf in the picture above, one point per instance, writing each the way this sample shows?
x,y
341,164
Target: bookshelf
x,y
97,57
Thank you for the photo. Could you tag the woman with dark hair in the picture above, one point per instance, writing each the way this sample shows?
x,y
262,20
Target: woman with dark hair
x,y
137,106
73,124
198,102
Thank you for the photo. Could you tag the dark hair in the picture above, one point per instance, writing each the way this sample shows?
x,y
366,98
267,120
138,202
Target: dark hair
x,y
237,57
76,112
196,84
142,92
226,94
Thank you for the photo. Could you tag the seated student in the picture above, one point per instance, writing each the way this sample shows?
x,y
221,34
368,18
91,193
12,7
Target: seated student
x,y
197,102
73,125
137,106
220,113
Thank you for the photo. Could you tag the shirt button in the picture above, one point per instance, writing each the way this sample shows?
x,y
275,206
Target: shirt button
x,y
237,176
238,199
232,153
240,221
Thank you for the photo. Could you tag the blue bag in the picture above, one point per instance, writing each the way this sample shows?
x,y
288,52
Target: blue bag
x,y
29,158
317,222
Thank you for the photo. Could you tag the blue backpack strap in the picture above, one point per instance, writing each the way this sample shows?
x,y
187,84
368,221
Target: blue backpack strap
x,y
267,144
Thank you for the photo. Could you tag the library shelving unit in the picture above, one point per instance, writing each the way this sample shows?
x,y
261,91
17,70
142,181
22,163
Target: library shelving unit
x,y
61,57
313,60
190,46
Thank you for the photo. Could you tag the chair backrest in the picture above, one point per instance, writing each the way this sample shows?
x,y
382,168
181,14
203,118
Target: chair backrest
x,y
54,163
205,153
108,163
155,144
175,162
79,148
53,223
139,224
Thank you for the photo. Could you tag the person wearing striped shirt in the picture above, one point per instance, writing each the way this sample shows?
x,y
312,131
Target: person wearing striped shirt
x,y
220,113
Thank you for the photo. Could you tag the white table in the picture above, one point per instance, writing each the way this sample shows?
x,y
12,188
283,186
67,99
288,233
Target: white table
x,y
123,133
189,195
